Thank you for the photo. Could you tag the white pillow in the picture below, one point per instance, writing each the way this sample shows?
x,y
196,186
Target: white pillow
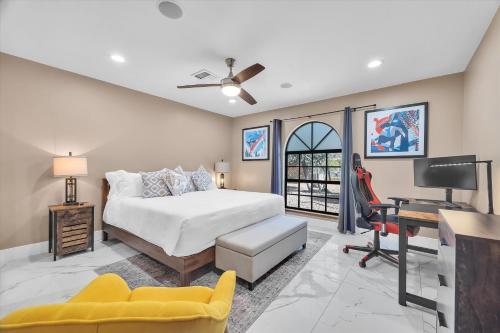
x,y
131,185
113,178
124,184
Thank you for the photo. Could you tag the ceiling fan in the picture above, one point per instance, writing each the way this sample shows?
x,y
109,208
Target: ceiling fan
x,y
231,85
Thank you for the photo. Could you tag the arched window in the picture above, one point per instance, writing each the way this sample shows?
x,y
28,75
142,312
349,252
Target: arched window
x,y
312,171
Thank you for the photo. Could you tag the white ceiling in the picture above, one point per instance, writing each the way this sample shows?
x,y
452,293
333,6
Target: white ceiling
x,y
321,47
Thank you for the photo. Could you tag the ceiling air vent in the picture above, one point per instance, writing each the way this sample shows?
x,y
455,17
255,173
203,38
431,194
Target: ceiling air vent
x,y
203,74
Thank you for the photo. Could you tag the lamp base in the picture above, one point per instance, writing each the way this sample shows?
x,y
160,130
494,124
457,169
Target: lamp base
x,y
70,192
71,203
222,181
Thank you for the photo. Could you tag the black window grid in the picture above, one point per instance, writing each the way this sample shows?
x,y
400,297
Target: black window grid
x,y
300,180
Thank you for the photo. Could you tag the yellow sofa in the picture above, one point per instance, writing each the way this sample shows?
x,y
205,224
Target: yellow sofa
x,y
107,305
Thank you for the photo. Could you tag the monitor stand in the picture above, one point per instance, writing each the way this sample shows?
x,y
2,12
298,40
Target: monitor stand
x,y
449,199
449,195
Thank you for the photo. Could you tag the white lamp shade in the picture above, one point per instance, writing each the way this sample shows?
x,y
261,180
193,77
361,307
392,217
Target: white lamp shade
x,y
65,166
222,167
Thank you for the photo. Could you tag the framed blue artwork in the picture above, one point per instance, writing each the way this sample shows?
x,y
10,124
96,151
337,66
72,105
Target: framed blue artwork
x,y
255,143
397,132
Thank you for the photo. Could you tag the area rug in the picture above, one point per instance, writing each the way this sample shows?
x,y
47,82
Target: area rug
x,y
140,270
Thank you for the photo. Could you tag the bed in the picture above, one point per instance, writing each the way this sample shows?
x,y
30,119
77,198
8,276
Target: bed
x,y
180,231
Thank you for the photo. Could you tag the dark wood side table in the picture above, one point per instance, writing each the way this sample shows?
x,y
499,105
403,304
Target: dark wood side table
x,y
468,271
71,228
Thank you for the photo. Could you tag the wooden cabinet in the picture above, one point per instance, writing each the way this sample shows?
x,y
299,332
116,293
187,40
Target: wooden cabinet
x,y
71,228
469,273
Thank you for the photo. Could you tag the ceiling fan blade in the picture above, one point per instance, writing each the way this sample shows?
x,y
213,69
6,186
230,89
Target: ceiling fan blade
x,y
199,85
248,73
247,97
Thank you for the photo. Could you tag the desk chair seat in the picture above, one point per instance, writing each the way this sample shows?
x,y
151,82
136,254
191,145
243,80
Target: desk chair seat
x,y
373,215
392,226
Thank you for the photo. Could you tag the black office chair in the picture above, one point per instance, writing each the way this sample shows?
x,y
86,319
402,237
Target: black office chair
x,y
373,215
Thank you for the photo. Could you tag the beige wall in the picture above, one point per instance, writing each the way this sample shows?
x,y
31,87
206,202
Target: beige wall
x,y
481,116
46,111
392,177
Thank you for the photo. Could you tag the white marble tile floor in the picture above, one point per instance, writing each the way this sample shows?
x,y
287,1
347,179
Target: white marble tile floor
x,y
330,294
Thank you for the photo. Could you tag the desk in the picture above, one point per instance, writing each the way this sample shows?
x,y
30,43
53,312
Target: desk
x,y
420,215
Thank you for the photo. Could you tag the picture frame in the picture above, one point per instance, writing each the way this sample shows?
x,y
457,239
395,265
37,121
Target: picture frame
x,y
397,132
255,142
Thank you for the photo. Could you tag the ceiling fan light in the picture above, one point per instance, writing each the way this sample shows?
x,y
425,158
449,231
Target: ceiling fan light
x,y
231,90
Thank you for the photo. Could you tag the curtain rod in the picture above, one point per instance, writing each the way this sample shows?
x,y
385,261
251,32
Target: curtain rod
x,y
321,114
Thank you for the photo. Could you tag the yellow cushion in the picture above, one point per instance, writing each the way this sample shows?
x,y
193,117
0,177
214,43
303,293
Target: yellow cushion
x,y
160,294
190,309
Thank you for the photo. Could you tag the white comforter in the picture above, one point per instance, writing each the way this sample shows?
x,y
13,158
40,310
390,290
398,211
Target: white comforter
x,y
190,223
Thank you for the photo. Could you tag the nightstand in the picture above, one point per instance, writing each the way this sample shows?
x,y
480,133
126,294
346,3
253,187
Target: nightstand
x,y
71,228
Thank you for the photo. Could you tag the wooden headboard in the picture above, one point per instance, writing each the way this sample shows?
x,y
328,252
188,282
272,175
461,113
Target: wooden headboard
x,y
104,194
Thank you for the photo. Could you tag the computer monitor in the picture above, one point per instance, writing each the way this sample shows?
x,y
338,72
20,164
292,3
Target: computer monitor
x,y
452,172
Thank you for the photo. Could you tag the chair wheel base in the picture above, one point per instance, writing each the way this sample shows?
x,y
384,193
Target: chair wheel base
x,y
362,264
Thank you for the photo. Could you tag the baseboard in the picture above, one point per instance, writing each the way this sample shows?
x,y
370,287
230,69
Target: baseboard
x,y
326,217
26,251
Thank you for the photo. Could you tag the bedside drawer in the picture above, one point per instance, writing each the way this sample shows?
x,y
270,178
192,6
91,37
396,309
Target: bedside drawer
x,y
69,216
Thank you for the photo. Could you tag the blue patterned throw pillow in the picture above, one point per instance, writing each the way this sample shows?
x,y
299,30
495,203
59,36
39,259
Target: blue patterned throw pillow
x,y
202,179
190,185
154,184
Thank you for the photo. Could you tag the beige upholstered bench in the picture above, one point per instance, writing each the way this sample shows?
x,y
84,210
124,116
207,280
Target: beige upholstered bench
x,y
254,250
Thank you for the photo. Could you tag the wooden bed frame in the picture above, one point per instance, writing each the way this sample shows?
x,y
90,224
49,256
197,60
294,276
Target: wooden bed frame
x,y
184,265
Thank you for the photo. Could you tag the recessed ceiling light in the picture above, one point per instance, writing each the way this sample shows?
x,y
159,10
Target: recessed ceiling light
x,y
375,63
117,58
170,9
232,101
286,85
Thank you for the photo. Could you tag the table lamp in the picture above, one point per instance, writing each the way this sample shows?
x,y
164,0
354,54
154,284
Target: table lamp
x,y
222,167
70,167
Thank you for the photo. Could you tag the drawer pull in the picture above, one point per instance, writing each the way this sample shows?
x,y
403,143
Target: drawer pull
x,y
443,242
442,281
441,319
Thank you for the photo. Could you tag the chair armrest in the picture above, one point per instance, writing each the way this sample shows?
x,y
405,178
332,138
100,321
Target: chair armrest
x,y
383,212
383,206
398,200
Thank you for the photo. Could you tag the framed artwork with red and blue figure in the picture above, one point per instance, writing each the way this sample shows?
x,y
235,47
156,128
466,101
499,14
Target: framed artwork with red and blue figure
x,y
255,143
397,132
